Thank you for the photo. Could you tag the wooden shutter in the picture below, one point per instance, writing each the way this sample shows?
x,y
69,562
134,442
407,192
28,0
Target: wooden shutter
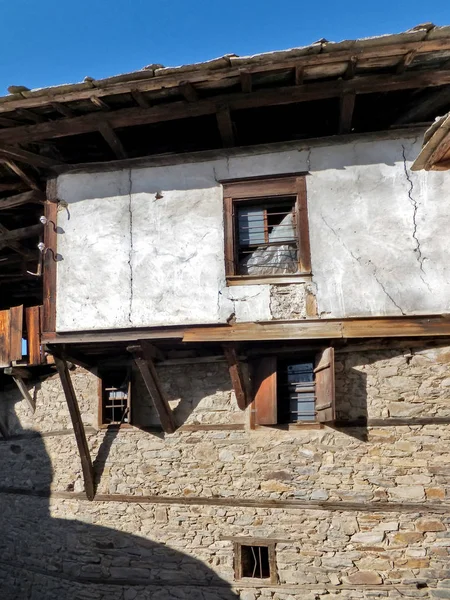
x,y
33,320
265,379
325,395
10,335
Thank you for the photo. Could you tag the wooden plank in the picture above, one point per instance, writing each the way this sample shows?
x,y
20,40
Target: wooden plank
x,y
29,115
32,197
5,338
63,109
236,375
396,326
29,158
350,71
325,388
16,324
11,187
188,91
23,233
265,381
301,214
99,103
405,61
299,74
426,108
128,117
170,80
30,180
49,264
7,242
33,318
111,138
229,237
284,185
78,427
245,78
140,99
347,106
225,126
147,369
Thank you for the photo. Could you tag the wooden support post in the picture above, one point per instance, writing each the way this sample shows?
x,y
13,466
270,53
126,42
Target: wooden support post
x,y
140,99
237,378
225,126
346,113
246,81
78,427
112,140
24,391
351,68
299,74
144,362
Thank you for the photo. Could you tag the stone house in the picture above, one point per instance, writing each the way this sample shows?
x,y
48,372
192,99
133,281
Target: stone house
x,y
224,335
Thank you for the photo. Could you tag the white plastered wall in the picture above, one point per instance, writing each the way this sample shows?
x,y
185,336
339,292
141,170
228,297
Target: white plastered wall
x,y
144,247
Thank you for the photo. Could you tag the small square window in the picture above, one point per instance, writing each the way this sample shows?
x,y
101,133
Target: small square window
x,y
255,561
114,396
266,228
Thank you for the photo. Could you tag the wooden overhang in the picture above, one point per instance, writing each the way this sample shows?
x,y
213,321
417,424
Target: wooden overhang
x,y
354,86
435,154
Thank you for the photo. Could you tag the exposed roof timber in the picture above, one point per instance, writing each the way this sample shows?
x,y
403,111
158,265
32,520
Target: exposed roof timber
x,y
406,61
4,122
140,99
188,91
99,103
225,126
227,67
37,160
246,81
10,239
437,143
351,68
62,109
8,187
32,197
347,106
127,117
29,115
112,140
421,109
299,74
31,181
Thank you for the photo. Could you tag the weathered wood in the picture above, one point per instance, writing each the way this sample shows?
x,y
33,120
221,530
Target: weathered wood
x,y
263,187
405,61
30,180
199,77
188,91
347,106
99,103
63,109
299,74
29,158
21,385
33,323
128,117
5,122
301,214
350,71
111,138
147,369
245,78
7,242
23,233
11,187
5,338
16,324
225,126
30,115
422,109
325,388
80,434
32,197
49,264
140,99
237,378
265,391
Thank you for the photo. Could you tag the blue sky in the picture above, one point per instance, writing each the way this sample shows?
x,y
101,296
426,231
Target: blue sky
x,y
49,42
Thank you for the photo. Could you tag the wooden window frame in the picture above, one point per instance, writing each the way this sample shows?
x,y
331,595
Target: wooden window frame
x,y
237,546
265,401
100,415
236,193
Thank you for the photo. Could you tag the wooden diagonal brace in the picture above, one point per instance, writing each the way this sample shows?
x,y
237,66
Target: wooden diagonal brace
x,y
78,427
144,362
18,376
237,378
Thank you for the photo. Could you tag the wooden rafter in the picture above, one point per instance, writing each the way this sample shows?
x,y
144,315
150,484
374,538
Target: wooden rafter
x,y
347,105
245,78
140,99
78,427
427,108
63,109
9,239
6,122
225,125
127,117
299,74
405,61
32,197
144,362
18,374
29,158
30,115
30,180
112,140
237,378
350,71
188,91
99,103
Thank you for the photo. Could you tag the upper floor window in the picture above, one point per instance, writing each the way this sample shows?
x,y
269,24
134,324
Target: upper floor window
x,y
266,227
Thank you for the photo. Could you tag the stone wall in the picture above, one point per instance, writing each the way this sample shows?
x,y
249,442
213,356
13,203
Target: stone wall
x,y
356,512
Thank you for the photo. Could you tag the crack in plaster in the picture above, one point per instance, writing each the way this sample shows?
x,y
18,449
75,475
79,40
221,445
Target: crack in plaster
x,y
415,206
130,256
308,159
359,260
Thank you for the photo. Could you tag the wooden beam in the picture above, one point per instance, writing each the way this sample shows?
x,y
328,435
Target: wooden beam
x,y
30,115
63,109
7,241
33,324
29,158
5,122
350,71
145,364
140,99
245,78
299,74
99,103
22,387
225,126
32,197
405,61
127,117
112,140
188,91
23,233
347,106
78,427
11,187
237,378
49,264
31,181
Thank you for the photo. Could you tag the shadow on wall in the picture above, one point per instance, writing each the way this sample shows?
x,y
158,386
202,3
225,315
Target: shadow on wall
x,y
46,558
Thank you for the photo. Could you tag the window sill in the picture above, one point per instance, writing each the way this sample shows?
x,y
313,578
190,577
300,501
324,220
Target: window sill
x,y
268,279
291,426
